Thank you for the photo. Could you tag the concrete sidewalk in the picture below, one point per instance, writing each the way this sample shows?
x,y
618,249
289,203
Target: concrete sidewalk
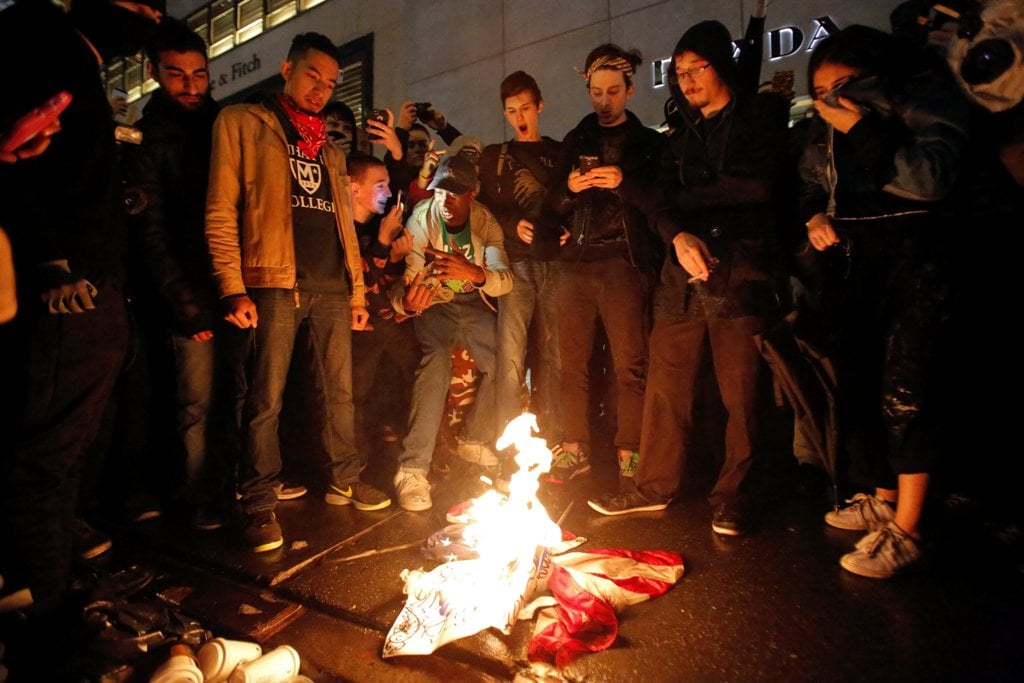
x,y
773,605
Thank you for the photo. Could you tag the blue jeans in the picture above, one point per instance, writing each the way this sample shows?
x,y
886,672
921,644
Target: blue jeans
x,y
330,361
211,387
466,320
531,301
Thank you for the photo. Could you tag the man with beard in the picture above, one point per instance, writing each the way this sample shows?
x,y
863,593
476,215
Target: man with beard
x,y
717,291
61,354
170,172
284,252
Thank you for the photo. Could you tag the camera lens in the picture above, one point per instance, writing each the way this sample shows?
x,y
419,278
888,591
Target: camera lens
x,y
987,61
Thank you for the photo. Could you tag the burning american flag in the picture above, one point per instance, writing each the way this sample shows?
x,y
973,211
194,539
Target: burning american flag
x,y
515,572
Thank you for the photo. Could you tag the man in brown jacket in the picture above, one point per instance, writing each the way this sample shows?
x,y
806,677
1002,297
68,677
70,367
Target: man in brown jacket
x,y
284,252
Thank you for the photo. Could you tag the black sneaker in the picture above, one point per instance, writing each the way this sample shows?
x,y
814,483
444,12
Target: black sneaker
x,y
730,519
360,494
207,517
262,532
86,542
142,507
288,491
626,502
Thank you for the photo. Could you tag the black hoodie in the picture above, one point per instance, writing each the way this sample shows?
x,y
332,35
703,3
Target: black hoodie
x,y
170,171
726,191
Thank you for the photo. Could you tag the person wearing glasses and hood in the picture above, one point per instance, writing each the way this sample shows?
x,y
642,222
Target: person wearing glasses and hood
x,y
716,287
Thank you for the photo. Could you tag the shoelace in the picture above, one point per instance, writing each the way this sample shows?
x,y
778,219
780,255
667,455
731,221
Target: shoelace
x,y
566,459
899,553
867,507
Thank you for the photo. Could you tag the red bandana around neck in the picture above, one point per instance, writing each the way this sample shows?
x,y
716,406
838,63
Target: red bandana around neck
x,y
311,127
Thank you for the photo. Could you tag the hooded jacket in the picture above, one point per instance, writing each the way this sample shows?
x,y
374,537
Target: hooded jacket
x,y
726,173
902,156
424,226
169,173
645,163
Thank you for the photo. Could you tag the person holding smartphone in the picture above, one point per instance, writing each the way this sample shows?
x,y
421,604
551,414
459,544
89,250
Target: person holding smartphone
x,y
456,264
64,213
610,258
388,337
716,287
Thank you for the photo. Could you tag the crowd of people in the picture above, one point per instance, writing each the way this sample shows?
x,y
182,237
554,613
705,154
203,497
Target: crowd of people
x,y
243,236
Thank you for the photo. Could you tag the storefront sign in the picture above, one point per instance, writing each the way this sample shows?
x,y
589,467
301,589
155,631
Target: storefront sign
x,y
782,42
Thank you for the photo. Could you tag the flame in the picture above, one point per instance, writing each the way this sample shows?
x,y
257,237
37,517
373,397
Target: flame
x,y
508,528
512,536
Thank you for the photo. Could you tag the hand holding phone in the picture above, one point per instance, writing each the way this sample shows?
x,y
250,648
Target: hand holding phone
x,y
41,121
380,116
423,110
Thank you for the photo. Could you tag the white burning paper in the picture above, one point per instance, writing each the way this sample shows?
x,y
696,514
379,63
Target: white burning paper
x,y
512,537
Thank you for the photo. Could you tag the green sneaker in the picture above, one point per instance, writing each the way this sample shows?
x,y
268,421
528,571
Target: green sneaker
x,y
567,466
360,494
628,462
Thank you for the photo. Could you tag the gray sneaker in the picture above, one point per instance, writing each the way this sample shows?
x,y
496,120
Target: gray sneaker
x,y
626,503
477,452
359,494
864,513
883,554
413,490
286,491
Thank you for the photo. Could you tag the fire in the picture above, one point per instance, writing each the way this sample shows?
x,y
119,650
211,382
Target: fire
x,y
509,527
511,535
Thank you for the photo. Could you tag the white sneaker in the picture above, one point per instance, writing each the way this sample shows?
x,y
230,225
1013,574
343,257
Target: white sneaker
x,y
883,554
477,452
864,513
413,490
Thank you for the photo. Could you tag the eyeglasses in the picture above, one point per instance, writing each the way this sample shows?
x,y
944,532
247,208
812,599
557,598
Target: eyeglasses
x,y
693,74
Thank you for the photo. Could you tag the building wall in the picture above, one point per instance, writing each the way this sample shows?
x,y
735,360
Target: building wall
x,y
454,53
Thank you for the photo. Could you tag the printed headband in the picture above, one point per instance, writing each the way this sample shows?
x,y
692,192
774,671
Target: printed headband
x,y
608,62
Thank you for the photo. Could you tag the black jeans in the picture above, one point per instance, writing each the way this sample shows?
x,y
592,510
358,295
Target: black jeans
x,y
889,315
394,344
678,348
62,370
613,290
